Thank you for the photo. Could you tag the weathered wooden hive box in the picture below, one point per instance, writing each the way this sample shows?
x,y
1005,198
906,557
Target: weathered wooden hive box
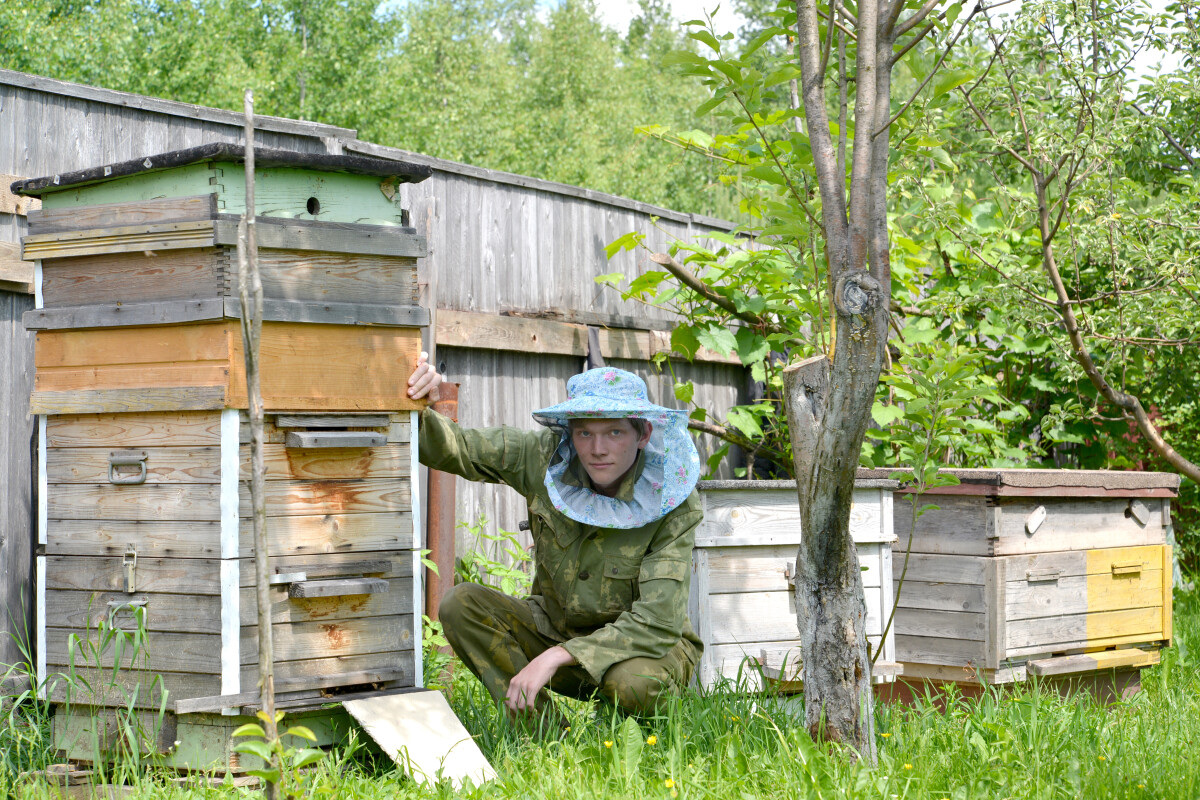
x,y
144,501
1036,572
742,601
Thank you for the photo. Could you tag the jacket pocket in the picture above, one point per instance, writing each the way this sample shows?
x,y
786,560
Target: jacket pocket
x,y
618,582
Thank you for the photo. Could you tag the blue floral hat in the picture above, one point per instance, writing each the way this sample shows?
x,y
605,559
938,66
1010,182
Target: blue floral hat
x,y
672,465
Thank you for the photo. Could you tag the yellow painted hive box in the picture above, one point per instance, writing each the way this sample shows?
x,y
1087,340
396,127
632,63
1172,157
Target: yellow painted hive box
x,y
1020,573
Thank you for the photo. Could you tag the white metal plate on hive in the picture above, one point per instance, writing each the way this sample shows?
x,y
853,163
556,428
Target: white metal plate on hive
x,y
420,733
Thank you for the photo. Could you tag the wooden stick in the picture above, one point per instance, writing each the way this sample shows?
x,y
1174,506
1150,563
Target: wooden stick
x,y
250,293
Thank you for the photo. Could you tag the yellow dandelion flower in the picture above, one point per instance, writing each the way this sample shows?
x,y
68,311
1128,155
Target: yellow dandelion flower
x,y
652,740
1101,758
1141,786
608,744
908,766
670,784
885,735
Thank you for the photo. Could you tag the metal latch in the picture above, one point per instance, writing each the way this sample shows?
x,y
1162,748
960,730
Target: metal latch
x,y
129,563
127,458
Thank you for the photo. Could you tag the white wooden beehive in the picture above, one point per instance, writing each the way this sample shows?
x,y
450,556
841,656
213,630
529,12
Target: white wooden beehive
x,y
742,602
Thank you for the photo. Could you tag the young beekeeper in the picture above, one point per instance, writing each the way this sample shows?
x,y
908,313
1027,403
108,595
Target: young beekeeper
x,y
610,484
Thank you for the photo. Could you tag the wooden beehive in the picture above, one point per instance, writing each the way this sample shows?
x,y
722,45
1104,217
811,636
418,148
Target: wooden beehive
x,y
1036,572
144,502
742,601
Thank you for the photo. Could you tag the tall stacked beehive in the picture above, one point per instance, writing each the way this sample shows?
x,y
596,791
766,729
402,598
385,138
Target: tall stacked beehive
x,y
1062,574
144,500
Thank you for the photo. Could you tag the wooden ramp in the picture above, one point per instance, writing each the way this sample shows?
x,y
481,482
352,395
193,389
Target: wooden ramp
x,y
421,734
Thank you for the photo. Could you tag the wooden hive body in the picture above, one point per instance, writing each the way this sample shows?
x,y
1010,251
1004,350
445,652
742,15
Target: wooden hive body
x,y
742,601
1049,572
144,501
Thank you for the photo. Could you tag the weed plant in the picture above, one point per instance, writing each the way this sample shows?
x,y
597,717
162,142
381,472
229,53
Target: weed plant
x,y
1022,742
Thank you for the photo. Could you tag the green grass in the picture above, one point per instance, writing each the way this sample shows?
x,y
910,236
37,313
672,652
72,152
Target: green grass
x,y
1026,742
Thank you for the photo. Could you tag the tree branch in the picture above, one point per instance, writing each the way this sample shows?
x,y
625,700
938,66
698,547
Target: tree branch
x,y
916,18
689,279
1178,148
727,434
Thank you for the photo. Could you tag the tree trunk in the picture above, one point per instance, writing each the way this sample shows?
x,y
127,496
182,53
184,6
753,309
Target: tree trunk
x,y
829,398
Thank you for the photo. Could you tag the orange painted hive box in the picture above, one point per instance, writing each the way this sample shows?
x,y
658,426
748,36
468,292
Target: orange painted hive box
x,y
144,502
1019,573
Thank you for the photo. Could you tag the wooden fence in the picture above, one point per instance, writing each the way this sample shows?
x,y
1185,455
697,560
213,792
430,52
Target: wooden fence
x,y
509,279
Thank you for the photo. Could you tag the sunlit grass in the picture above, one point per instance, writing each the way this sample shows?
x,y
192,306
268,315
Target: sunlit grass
x,y
1027,742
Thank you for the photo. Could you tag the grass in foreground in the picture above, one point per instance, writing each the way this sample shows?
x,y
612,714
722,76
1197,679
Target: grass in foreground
x,y
1025,742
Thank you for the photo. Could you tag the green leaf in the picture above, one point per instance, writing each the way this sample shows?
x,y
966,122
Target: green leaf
x,y
684,341
269,775
885,415
302,732
307,756
250,729
707,38
677,57
684,392
260,749
764,37
614,279
718,339
765,172
711,103
744,422
626,242
951,79
751,347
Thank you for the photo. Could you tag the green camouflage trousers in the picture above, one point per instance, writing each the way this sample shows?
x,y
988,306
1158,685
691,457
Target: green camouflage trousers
x,y
496,637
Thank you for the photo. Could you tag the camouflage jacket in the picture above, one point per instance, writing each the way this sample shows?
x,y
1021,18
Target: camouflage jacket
x,y
609,595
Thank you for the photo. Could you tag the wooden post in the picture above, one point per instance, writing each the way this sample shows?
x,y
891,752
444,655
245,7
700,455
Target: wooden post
x,y
250,293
